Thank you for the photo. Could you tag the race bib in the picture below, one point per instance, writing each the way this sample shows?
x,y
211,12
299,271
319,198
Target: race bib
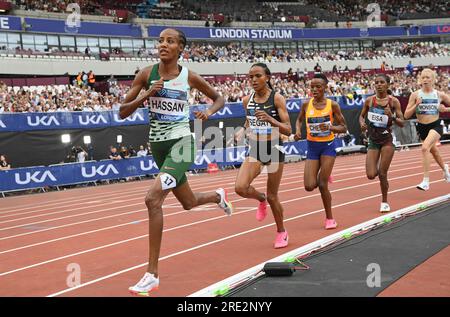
x,y
169,105
428,108
259,127
378,119
314,124
167,181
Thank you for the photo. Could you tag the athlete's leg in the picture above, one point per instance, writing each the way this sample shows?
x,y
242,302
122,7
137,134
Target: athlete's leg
x,y
273,184
189,199
248,171
437,156
154,201
310,174
387,153
326,166
372,158
427,144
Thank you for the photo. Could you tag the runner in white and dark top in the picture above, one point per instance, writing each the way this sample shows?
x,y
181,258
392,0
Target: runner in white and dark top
x,y
263,147
266,119
427,103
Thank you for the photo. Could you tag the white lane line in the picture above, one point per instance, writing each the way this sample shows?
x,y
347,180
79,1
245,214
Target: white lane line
x,y
219,240
343,161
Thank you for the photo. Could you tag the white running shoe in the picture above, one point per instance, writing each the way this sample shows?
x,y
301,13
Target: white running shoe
x,y
224,203
424,185
384,207
148,283
446,173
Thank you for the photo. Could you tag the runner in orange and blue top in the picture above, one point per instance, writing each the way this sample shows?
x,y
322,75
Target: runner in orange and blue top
x,y
323,119
381,111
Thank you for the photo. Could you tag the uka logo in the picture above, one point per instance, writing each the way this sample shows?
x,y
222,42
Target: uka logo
x,y
35,177
289,149
226,110
101,170
2,125
148,165
136,116
42,121
353,102
201,159
92,119
237,156
293,106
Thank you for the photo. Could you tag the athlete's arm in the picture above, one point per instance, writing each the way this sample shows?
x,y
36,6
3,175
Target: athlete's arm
x,y
362,116
338,118
446,100
412,105
398,119
241,132
285,125
131,103
299,122
196,81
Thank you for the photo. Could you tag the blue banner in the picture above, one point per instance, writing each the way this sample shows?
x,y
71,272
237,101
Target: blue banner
x,y
91,28
69,120
76,173
235,110
130,30
432,29
296,34
89,120
9,23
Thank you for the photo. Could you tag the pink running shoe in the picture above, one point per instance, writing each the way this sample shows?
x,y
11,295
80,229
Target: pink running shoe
x,y
330,224
281,240
261,213
330,179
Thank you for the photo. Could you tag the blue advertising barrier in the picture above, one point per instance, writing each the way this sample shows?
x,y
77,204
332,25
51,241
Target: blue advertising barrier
x,y
92,171
75,173
88,120
68,120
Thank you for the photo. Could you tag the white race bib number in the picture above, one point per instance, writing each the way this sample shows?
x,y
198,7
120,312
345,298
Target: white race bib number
x,y
378,120
259,127
168,181
315,130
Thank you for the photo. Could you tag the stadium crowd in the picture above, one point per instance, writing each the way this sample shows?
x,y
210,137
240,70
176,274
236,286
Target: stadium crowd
x,y
208,52
191,10
55,99
340,84
355,10
86,6
233,53
74,98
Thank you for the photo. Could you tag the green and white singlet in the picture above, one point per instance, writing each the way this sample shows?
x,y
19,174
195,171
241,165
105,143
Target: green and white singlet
x,y
169,108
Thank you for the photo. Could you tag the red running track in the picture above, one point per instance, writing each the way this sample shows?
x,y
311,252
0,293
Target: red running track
x,y
104,229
